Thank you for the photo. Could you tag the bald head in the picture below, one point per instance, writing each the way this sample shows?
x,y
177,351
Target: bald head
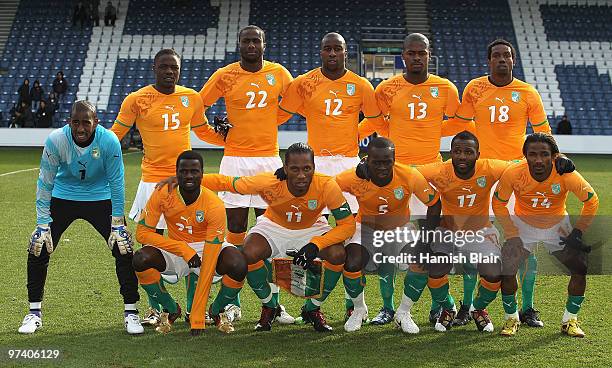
x,y
416,37
333,36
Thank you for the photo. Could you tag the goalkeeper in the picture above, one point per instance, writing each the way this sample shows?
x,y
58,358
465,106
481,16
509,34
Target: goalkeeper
x,y
81,177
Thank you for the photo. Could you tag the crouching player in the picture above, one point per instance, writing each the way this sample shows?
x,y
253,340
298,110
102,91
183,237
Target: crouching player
x,y
540,216
196,226
383,194
296,196
81,177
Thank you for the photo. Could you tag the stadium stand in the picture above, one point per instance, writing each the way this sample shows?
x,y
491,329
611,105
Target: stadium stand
x,y
563,47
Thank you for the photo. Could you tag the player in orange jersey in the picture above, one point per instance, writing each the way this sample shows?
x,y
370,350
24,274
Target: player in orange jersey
x,y
330,98
251,89
196,226
164,113
540,216
500,105
383,198
296,197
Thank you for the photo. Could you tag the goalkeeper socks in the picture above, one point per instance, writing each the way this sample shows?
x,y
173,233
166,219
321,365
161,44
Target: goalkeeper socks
x,y
238,240
439,292
258,281
191,283
510,305
386,281
414,283
528,272
572,307
229,289
331,275
150,280
354,283
470,279
487,291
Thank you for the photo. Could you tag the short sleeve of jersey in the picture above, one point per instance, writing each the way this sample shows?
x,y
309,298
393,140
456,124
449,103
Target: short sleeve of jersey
x,y
345,179
381,101
452,102
254,184
153,211
498,167
576,184
332,196
286,79
422,189
292,102
209,92
127,115
429,171
466,109
198,118
504,186
369,106
537,115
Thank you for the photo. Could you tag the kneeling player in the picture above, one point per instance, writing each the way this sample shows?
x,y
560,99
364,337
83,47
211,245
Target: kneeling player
x,y
383,194
540,216
196,227
296,197
81,177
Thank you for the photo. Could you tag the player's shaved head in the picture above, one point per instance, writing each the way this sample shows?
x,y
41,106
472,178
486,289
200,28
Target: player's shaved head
x,y
465,136
166,52
83,105
190,155
252,27
541,138
333,36
500,41
380,161
381,142
415,37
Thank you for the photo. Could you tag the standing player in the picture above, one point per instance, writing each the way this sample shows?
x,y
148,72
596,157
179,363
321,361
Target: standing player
x,y
81,177
500,105
330,98
540,216
164,113
296,197
413,107
383,197
196,225
251,89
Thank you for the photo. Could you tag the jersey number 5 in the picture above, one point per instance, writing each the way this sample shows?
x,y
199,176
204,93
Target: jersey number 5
x,y
175,120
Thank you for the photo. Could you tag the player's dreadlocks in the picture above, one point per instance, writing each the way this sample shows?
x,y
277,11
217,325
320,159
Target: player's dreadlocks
x,y
465,136
166,52
190,155
541,137
500,41
299,148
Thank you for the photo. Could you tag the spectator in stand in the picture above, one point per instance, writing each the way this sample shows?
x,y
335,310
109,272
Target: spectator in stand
x,y
564,126
94,15
52,102
23,117
24,93
110,14
80,14
44,115
36,94
12,115
60,86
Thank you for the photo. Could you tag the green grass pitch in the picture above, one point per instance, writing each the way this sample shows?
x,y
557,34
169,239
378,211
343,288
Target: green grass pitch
x,y
83,309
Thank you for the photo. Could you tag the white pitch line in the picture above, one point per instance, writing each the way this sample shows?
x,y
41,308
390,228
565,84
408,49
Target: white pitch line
x,y
19,171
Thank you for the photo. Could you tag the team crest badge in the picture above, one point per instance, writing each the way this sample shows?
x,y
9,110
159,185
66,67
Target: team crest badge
x,y
481,181
516,96
398,193
350,89
312,204
199,216
270,79
434,92
556,188
185,101
95,153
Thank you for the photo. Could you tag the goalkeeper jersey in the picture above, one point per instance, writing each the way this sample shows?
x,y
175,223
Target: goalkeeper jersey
x,y
70,172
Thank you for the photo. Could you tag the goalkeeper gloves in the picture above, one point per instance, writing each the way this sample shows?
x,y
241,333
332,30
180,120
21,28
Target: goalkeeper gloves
x,y
41,236
306,255
121,236
362,169
221,126
574,240
564,165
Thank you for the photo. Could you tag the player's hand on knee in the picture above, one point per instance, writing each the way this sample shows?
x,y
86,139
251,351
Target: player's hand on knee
x,y
171,182
362,169
574,240
280,174
41,237
195,261
121,236
306,255
564,165
221,126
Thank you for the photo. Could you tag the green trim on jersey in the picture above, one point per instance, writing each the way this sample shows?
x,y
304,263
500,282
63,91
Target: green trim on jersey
x,y
214,241
342,212
431,197
501,200
143,223
234,183
120,123
462,118
287,111
197,126
589,196
542,123
372,117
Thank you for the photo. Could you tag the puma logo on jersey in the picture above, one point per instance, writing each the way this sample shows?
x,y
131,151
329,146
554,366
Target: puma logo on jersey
x,y
384,279
297,208
185,219
335,93
499,99
169,107
418,97
255,85
83,164
542,194
384,199
467,189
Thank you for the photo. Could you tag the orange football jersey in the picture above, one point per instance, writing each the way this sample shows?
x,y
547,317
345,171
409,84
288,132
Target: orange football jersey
x,y
414,116
501,114
465,202
164,122
331,109
542,204
292,212
251,101
387,207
